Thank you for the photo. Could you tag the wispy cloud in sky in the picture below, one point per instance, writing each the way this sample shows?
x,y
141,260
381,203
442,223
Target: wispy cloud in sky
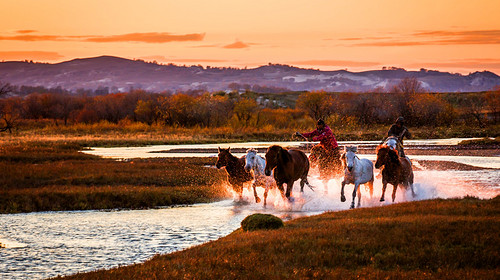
x,y
237,45
436,37
25,31
151,37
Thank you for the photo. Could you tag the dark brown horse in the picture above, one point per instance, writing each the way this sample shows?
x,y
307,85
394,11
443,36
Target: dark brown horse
x,y
397,170
289,166
328,163
235,168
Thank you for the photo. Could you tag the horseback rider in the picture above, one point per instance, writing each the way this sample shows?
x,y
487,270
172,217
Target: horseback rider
x,y
400,131
326,139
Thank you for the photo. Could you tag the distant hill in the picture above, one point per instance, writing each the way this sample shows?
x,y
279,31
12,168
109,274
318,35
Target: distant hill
x,y
119,74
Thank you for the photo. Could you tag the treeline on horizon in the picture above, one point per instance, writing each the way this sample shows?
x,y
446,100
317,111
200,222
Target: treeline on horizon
x,y
251,109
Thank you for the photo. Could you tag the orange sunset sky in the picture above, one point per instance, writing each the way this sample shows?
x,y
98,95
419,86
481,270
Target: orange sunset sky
x,y
449,35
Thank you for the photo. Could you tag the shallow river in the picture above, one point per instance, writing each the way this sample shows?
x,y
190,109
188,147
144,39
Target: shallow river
x,y
47,244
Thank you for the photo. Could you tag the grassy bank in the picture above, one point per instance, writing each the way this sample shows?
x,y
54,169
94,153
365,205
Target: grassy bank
x,y
54,175
436,239
137,134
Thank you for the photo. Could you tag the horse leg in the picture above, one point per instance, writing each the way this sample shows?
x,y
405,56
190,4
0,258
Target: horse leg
x,y
370,187
359,197
411,186
342,197
282,190
265,194
384,186
289,186
356,187
394,192
257,199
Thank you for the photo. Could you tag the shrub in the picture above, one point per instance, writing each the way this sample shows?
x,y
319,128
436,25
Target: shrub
x,y
261,221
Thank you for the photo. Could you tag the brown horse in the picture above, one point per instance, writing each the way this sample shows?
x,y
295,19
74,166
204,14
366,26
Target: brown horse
x,y
397,170
235,168
289,166
327,162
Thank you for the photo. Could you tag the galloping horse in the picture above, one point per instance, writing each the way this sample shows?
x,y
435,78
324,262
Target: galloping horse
x,y
357,171
397,170
235,168
288,166
255,162
328,163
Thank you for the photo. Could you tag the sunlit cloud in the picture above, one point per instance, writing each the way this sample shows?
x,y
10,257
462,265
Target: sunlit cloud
x,y
152,37
340,63
25,31
30,55
32,38
436,37
237,45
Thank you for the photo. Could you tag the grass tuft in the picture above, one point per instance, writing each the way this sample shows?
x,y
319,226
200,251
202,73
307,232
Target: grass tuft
x,y
261,221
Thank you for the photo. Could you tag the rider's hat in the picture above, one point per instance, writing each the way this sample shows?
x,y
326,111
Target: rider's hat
x,y
320,122
400,120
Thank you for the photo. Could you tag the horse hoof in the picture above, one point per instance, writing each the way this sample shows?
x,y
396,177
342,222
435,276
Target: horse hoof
x,y
342,198
257,200
291,199
382,200
352,207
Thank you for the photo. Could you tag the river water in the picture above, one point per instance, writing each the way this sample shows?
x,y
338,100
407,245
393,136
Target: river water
x,y
47,244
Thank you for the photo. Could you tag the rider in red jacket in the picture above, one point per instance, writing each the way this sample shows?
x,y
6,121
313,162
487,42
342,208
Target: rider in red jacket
x,y
324,135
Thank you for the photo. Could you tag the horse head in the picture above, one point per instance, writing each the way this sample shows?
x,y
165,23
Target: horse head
x,y
385,155
275,155
223,157
349,157
250,159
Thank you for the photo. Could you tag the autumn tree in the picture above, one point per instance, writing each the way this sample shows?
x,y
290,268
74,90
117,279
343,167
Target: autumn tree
x,y
406,90
244,109
493,103
8,110
315,103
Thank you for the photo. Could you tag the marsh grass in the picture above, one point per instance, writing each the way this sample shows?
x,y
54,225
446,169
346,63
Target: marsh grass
x,y
435,239
42,176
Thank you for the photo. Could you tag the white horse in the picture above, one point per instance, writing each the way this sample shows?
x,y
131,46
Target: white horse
x,y
357,171
255,162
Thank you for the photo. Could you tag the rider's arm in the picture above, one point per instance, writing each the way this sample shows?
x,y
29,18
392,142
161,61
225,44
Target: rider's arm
x,y
407,133
311,134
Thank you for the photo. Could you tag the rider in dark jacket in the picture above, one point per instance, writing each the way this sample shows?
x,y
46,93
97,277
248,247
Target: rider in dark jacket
x,y
399,130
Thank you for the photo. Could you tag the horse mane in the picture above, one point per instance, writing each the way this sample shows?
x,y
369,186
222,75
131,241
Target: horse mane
x,y
353,149
252,150
393,154
385,147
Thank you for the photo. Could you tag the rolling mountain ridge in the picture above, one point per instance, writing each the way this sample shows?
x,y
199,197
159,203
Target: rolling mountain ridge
x,y
119,74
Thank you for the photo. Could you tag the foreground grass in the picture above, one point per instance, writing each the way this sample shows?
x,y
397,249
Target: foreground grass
x,y
43,176
436,239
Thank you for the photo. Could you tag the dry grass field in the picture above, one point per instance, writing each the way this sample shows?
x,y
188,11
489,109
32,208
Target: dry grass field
x,y
434,239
